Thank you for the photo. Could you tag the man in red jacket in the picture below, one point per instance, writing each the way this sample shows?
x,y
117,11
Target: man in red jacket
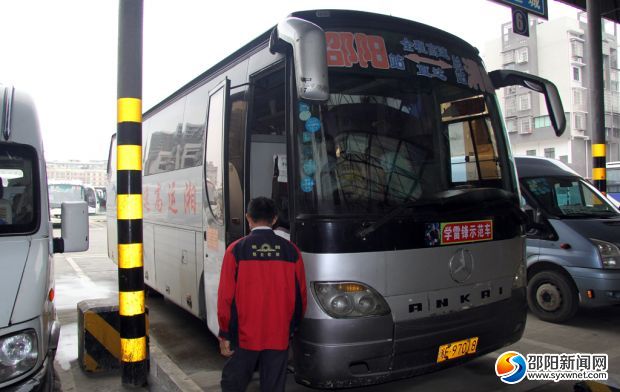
x,y
261,301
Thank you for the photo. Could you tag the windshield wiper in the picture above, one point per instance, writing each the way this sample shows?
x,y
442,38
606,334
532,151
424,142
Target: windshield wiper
x,y
363,232
590,214
456,200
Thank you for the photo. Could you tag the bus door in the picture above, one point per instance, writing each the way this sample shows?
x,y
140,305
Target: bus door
x,y
267,141
214,208
235,150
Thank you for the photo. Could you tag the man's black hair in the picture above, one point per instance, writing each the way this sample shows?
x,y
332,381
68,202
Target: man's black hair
x,y
262,209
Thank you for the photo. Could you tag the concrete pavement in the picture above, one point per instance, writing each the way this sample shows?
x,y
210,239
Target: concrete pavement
x,y
185,355
73,284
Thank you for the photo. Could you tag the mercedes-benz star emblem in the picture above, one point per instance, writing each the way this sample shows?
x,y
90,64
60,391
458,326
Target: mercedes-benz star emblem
x,y
461,265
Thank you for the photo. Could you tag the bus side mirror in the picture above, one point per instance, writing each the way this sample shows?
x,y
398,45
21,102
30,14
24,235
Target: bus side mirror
x,y
506,77
309,54
73,229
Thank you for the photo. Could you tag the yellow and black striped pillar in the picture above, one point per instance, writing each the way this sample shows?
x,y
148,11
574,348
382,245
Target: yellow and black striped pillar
x,y
134,352
599,175
596,99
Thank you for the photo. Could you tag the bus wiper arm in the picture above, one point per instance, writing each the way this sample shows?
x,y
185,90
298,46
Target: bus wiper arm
x,y
363,232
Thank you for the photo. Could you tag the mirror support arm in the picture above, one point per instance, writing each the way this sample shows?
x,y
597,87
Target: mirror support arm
x,y
505,77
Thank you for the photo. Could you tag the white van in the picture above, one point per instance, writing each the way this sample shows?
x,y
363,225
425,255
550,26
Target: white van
x,y
573,242
29,328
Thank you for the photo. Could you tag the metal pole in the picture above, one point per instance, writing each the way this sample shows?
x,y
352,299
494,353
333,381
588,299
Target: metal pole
x,y
134,351
596,116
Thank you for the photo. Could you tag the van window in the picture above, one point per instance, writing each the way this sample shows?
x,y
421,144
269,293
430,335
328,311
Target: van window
x,y
19,211
568,197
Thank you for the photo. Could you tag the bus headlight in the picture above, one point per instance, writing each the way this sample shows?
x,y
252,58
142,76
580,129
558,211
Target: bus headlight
x,y
349,300
610,254
18,354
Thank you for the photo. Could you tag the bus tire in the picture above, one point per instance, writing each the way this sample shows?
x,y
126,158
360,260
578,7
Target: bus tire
x,y
552,297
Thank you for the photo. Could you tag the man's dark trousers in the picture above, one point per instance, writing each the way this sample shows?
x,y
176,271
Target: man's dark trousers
x,y
238,371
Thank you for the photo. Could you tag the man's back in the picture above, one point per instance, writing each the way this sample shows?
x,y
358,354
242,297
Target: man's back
x,y
267,294
260,301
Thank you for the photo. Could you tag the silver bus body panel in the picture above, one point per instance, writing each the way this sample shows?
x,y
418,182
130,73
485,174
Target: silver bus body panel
x,y
421,277
171,228
491,260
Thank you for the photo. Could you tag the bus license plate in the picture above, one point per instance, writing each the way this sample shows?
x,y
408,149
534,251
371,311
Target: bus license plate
x,y
457,349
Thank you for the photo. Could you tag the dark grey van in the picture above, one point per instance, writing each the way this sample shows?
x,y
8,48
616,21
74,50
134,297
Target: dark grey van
x,y
573,255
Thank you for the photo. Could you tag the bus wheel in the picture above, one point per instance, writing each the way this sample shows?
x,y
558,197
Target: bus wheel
x,y
551,296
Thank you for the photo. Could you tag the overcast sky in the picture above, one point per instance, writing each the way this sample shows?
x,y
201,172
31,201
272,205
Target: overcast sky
x,y
63,52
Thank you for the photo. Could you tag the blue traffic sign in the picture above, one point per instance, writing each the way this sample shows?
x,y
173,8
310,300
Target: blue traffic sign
x,y
537,7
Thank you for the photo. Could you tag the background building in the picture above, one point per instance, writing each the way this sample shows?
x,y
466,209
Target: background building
x,y
88,173
556,50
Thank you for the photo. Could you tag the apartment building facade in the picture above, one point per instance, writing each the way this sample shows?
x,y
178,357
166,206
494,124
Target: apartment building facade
x,y
556,50
88,173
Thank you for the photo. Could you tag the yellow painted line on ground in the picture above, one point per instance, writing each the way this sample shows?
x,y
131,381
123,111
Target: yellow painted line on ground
x,y
597,387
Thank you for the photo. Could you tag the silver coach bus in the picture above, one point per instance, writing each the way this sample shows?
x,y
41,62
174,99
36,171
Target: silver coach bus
x,y
381,142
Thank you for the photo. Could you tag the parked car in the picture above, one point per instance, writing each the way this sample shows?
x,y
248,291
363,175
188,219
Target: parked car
x,y
573,239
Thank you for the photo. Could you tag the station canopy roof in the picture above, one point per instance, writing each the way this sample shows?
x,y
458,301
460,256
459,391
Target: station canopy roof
x,y
610,9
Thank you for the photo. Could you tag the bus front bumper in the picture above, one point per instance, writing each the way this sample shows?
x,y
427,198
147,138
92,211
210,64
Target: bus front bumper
x,y
344,353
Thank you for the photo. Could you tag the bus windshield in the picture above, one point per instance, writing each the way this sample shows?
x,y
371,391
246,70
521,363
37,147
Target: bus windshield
x,y
569,198
381,142
60,193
